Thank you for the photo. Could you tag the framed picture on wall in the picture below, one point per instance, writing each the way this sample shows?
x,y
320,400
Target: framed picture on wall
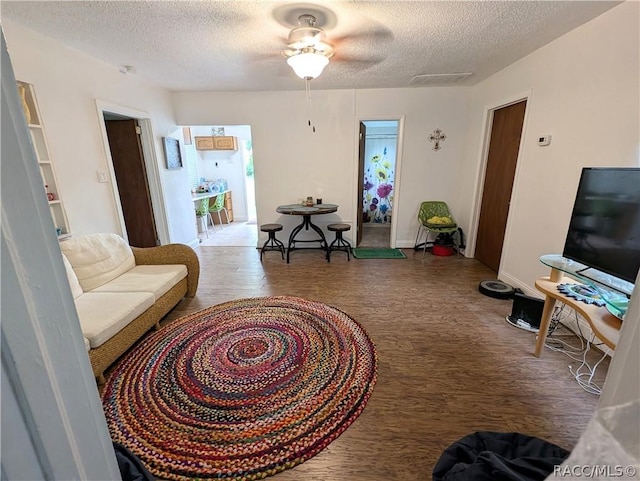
x,y
172,153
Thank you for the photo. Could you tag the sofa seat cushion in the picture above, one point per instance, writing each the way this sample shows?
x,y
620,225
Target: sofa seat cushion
x,y
98,258
103,314
157,279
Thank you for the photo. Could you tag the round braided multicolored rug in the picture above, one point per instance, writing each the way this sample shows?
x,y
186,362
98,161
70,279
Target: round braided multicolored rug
x,y
241,390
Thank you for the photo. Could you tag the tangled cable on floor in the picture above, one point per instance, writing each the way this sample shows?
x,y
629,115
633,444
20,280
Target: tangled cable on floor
x,y
584,373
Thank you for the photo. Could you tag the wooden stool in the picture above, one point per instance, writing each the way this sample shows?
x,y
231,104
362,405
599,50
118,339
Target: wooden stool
x,y
272,244
339,244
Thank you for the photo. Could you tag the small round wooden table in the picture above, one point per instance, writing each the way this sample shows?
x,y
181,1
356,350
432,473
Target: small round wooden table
x,y
306,213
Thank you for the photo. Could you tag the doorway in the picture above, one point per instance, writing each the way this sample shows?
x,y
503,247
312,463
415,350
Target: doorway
x,y
377,174
232,168
152,191
502,157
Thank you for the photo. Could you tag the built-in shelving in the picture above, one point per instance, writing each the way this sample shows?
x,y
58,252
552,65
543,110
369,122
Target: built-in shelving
x,y
38,138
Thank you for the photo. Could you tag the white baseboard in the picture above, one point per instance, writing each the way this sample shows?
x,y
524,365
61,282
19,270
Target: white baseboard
x,y
404,244
516,283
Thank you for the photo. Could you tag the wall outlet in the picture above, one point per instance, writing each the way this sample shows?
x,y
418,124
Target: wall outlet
x,y
103,176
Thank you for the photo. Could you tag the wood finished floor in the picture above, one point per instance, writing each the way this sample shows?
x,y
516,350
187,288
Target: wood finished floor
x,y
449,364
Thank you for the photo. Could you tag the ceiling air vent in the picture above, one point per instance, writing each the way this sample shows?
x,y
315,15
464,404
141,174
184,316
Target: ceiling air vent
x,y
438,78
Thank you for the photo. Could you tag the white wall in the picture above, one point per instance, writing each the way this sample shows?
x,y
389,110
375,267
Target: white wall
x,y
292,162
67,84
584,92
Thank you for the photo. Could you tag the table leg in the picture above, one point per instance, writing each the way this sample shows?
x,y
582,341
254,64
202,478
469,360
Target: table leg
x,y
549,305
323,241
556,276
292,236
306,223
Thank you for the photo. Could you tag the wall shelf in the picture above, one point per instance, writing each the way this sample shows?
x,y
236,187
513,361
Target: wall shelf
x,y
39,141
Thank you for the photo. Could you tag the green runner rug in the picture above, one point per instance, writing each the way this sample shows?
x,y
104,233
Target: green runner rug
x,y
364,253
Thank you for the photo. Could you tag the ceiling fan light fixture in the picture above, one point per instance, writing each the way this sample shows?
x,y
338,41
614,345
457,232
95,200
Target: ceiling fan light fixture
x,y
306,36
308,65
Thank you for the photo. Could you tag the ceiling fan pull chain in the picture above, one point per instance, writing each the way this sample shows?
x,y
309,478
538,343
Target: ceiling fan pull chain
x,y
307,88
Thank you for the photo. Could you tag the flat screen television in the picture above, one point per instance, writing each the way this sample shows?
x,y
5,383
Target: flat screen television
x,y
604,231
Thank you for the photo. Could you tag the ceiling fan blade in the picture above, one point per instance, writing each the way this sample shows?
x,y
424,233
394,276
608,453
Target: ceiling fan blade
x,y
357,62
377,34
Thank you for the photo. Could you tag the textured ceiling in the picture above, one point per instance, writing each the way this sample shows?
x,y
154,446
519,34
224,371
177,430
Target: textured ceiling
x,y
235,45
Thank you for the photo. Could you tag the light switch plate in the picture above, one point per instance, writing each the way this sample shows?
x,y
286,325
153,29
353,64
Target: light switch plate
x,y
103,177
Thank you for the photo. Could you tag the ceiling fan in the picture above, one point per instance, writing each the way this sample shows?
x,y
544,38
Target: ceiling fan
x,y
308,48
308,52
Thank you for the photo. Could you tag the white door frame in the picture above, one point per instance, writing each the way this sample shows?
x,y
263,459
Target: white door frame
x,y
398,170
151,166
487,126
53,424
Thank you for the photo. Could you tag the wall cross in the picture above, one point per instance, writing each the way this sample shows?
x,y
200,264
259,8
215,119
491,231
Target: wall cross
x,y
437,136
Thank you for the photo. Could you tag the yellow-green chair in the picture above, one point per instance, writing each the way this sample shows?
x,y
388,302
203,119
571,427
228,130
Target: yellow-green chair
x,y
202,211
435,217
217,207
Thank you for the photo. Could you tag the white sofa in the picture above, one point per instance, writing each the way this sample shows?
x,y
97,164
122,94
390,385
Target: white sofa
x,y
120,292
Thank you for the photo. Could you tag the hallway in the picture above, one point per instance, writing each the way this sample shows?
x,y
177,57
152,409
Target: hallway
x,y
375,235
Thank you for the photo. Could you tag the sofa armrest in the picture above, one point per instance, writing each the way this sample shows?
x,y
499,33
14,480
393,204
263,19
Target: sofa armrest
x,y
172,254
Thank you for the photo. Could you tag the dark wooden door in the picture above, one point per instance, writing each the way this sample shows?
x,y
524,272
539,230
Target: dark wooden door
x,y
131,176
360,191
504,145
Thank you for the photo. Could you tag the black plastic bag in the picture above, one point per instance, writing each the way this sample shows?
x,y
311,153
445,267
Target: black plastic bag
x,y
131,469
494,456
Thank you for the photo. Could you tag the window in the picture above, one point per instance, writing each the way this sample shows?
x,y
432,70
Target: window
x,y
191,162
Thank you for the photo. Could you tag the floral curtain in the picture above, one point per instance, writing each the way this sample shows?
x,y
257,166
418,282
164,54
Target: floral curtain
x,y
380,155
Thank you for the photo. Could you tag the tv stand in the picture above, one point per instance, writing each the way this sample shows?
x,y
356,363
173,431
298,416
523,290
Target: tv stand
x,y
604,325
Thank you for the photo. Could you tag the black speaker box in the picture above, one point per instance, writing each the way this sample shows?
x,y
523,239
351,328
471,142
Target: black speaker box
x,y
527,309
